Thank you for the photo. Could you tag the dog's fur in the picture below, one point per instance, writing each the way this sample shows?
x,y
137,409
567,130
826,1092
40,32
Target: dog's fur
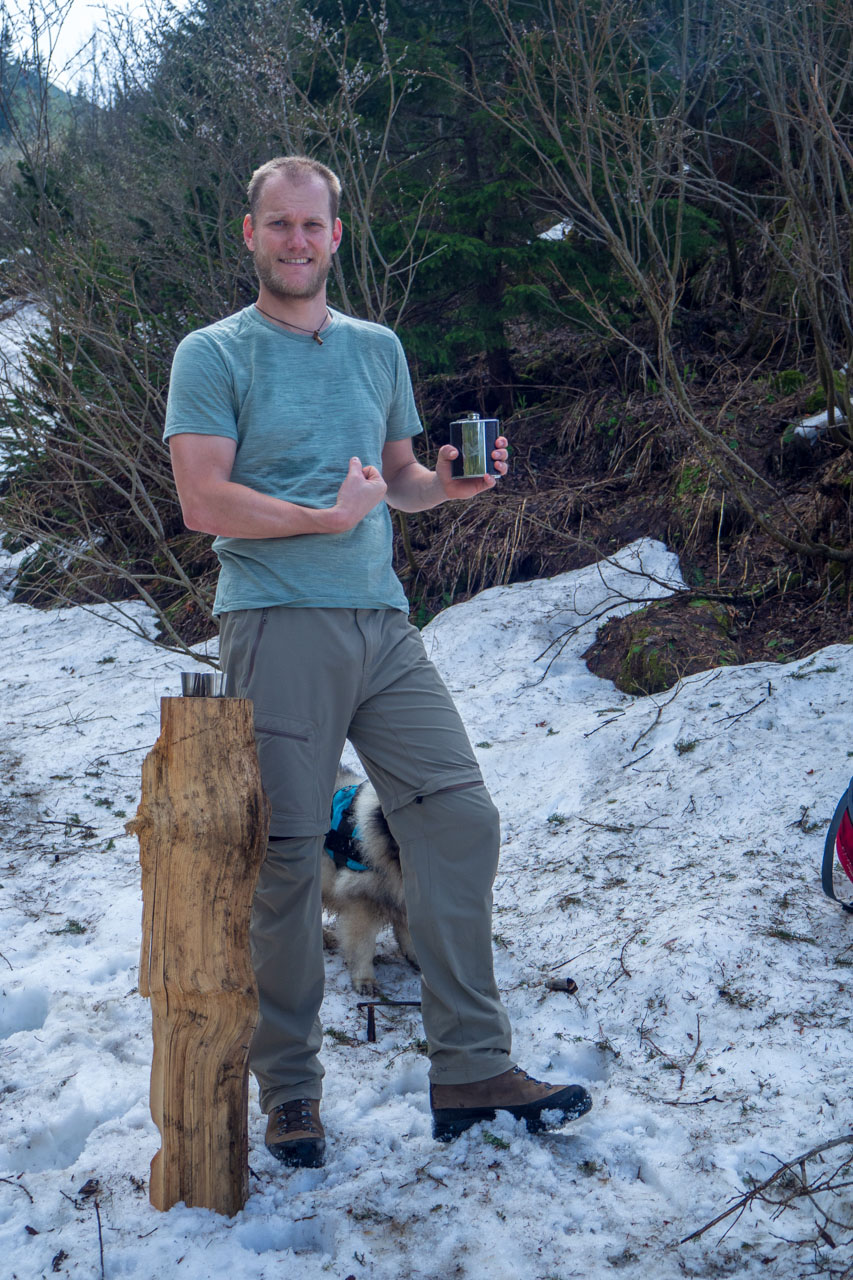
x,y
366,901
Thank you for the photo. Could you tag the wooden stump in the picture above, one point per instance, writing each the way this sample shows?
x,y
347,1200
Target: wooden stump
x,y
202,824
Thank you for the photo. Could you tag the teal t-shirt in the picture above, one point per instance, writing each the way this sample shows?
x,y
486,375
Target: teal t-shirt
x,y
298,412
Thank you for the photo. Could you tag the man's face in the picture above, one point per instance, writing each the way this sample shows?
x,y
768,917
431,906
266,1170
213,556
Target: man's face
x,y
293,236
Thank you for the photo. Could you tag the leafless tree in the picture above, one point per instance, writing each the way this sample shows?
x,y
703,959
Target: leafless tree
x,y
131,220
605,100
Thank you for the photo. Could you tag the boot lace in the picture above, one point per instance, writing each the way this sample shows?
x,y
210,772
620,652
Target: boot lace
x,y
294,1117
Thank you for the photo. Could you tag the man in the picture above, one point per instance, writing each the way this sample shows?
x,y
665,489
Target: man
x,y
291,428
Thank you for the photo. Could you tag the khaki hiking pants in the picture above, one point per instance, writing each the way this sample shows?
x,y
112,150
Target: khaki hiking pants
x,y
317,677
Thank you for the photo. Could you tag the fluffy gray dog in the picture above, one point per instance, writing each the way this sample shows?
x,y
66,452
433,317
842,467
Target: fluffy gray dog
x,y
362,880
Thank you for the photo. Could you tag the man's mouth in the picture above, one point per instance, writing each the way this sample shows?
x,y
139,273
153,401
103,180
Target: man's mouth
x,y
295,262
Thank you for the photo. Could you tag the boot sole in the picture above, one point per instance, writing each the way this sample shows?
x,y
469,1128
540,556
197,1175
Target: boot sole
x,y
304,1153
571,1103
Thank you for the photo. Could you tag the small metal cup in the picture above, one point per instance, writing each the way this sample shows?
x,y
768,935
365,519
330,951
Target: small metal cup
x,y
203,684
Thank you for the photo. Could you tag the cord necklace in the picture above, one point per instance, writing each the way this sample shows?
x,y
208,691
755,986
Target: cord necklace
x,y
315,333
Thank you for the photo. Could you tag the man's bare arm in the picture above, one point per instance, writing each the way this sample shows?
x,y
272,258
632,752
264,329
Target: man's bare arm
x,y
212,503
412,487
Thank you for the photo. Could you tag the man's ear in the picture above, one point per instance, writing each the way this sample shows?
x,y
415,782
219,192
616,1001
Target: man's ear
x,y
248,232
337,233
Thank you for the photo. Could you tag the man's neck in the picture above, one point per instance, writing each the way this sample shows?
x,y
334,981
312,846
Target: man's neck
x,y
307,314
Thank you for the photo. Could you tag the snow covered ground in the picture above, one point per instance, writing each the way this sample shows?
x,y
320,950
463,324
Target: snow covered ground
x,y
663,852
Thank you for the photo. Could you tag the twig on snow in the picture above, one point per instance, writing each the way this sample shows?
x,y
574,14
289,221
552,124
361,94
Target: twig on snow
x,y
100,1235
679,1102
562,963
661,707
423,1172
622,966
648,729
738,715
644,1035
607,826
743,1201
604,724
14,1183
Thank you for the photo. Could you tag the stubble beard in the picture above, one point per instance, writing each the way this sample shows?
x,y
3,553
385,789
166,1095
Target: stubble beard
x,y
279,288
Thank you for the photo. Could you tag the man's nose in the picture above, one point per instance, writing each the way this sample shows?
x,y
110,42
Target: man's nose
x,y
296,238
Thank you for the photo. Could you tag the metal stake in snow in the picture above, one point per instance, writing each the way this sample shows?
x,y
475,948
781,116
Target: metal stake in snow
x,y
202,825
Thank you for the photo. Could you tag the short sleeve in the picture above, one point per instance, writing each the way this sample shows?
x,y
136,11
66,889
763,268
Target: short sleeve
x,y
403,420
201,390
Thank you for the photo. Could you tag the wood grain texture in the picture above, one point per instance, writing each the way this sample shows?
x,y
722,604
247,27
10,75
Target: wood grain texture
x,y
202,825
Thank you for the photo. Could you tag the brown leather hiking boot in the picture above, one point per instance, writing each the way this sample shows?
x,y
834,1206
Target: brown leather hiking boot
x,y
455,1107
295,1134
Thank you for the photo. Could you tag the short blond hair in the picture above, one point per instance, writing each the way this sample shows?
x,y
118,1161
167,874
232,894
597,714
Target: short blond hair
x,y
298,169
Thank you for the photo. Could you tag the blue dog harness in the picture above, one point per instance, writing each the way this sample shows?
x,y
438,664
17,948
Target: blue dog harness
x,y
343,833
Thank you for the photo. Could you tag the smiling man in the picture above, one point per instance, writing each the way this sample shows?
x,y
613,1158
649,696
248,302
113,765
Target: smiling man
x,y
290,427
293,237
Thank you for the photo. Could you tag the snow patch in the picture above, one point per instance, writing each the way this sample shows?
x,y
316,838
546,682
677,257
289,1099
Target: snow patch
x,y
22,1010
680,889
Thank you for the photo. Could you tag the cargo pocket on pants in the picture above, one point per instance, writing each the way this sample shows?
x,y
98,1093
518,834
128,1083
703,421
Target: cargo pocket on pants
x,y
287,753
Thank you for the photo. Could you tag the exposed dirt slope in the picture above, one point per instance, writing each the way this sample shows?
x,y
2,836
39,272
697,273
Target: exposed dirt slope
x,y
598,462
